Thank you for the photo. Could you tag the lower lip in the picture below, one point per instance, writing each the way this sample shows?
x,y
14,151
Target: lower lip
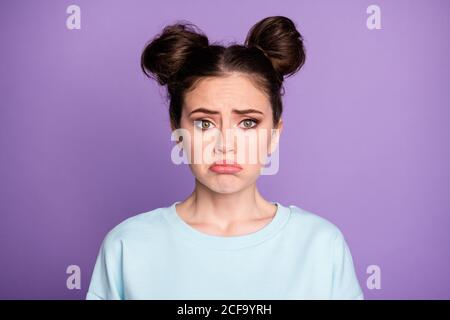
x,y
225,169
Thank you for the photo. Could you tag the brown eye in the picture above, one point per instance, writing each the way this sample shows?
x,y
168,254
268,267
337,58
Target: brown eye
x,y
249,123
203,124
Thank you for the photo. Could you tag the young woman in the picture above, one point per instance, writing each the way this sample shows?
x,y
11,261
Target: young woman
x,y
225,241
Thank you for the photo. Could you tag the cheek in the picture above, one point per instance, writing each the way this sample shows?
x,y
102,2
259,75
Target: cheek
x,y
202,147
256,147
198,146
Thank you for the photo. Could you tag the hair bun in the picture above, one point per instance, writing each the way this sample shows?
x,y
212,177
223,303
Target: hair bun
x,y
165,55
278,38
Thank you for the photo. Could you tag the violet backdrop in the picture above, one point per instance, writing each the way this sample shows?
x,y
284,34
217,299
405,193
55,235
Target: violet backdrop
x,y
85,137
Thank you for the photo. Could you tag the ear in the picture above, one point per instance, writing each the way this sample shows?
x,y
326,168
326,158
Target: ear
x,y
275,139
172,126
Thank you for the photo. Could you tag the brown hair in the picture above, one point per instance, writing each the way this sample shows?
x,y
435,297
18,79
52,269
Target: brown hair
x,y
181,55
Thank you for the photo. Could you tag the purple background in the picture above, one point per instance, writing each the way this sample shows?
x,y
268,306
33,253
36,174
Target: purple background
x,y
85,137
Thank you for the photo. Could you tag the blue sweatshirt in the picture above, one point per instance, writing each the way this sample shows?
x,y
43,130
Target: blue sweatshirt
x,y
157,255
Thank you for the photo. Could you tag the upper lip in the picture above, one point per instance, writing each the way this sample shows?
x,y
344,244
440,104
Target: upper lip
x,y
226,163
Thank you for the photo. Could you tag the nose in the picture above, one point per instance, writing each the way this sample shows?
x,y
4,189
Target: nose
x,y
225,140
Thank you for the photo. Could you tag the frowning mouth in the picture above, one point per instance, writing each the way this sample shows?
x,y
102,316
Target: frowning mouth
x,y
225,167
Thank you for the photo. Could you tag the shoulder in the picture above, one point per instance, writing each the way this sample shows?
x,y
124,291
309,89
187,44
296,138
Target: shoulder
x,y
313,226
321,236
329,252
146,225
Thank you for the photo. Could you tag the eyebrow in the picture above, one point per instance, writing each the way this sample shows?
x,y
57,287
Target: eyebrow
x,y
237,111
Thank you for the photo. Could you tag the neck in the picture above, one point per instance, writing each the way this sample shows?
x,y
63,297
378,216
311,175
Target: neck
x,y
207,206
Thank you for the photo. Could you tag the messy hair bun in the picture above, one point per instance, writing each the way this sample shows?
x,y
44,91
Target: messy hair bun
x,y
165,55
181,54
279,40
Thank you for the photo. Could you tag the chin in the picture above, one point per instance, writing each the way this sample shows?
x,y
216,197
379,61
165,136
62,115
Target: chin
x,y
225,189
224,183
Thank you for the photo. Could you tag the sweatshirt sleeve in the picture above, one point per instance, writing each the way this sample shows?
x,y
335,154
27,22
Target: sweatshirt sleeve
x,y
345,284
106,280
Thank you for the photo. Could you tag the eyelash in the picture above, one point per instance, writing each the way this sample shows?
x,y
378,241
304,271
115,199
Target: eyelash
x,y
256,122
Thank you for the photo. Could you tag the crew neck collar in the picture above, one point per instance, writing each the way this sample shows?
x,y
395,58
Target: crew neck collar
x,y
227,242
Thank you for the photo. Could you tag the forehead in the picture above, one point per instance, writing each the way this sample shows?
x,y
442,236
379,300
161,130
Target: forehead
x,y
231,91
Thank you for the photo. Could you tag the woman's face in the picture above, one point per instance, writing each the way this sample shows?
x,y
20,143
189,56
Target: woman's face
x,y
227,119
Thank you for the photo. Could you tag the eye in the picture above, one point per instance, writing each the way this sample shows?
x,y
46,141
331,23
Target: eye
x,y
249,123
203,124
